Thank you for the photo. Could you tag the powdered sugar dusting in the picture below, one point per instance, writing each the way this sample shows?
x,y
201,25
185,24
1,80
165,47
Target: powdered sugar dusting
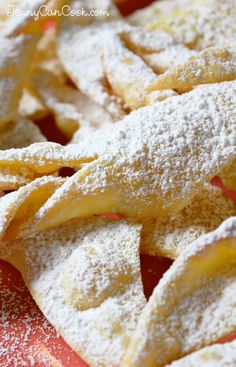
x,y
44,157
156,159
212,65
143,41
171,236
71,108
24,313
27,339
11,203
101,333
79,49
14,62
217,355
171,56
128,74
198,24
193,305
20,134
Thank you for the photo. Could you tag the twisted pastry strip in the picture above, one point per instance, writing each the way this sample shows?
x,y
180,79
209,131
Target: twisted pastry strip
x,y
15,55
85,277
212,65
153,12
218,355
21,166
150,164
19,134
193,305
199,24
72,109
171,236
38,159
180,24
79,44
143,41
158,49
79,49
18,207
45,157
168,58
128,74
98,59
154,161
45,58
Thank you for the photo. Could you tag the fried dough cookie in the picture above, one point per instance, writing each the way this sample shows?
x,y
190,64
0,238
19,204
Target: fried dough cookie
x,y
85,277
18,207
72,109
193,305
213,65
14,65
79,48
150,164
217,355
153,162
170,236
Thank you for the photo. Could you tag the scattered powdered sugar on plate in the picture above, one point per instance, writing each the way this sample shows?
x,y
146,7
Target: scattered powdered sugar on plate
x,y
22,324
26,337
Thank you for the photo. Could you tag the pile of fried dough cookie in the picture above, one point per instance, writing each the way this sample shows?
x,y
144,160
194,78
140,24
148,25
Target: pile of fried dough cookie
x,y
148,105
